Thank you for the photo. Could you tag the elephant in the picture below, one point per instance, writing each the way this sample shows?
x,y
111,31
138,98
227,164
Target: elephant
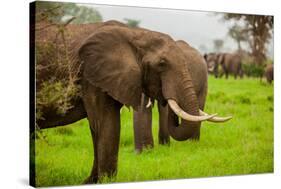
x,y
230,63
211,61
117,65
268,73
143,117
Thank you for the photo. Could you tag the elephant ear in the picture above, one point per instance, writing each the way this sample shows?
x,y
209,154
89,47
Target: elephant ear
x,y
109,62
205,56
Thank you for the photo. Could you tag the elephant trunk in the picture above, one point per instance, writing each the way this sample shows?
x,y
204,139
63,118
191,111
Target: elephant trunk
x,y
182,92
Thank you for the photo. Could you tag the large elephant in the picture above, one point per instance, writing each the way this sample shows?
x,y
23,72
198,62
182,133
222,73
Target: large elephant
x,y
118,64
268,73
143,117
230,63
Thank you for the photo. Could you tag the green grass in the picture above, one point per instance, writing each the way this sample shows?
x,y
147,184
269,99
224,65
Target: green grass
x,y
243,145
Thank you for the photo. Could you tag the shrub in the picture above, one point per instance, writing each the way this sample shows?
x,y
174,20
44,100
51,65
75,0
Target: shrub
x,y
253,70
57,72
57,95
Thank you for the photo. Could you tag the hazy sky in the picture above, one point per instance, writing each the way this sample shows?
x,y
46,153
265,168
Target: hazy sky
x,y
197,28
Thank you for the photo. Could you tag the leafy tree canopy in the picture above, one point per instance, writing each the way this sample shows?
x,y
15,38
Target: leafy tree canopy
x,y
238,34
259,29
57,12
218,44
132,23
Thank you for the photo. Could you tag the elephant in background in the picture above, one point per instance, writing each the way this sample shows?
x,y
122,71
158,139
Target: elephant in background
x,y
269,73
211,60
230,63
143,118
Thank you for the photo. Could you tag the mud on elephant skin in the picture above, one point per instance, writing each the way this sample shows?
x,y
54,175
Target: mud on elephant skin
x,y
143,117
115,58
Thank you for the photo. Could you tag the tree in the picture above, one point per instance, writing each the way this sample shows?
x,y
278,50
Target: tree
x,y
56,75
238,34
132,23
218,44
259,29
57,12
82,14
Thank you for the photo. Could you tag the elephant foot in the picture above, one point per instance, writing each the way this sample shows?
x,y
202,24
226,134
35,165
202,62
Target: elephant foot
x,y
195,137
139,149
91,180
164,141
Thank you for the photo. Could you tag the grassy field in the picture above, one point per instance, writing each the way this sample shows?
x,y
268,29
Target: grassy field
x,y
243,145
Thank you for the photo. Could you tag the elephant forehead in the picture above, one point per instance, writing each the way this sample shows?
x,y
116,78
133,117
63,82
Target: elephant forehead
x,y
173,52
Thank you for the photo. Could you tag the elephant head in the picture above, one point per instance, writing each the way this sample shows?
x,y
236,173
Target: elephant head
x,y
125,62
212,60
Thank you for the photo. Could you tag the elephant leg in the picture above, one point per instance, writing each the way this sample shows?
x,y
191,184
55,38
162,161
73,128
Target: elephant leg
x,y
93,178
241,73
226,75
163,134
143,126
104,117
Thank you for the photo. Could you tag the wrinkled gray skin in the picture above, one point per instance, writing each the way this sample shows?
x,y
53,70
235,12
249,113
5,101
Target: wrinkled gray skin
x,y
118,64
143,117
230,63
268,73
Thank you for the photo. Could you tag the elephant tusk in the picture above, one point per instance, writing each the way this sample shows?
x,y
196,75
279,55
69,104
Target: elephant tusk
x,y
215,119
210,69
148,103
181,113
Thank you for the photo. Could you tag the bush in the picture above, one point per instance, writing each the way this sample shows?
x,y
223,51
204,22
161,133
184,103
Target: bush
x,y
57,95
253,70
57,71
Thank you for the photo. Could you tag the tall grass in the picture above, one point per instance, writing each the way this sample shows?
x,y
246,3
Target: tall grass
x,y
243,145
